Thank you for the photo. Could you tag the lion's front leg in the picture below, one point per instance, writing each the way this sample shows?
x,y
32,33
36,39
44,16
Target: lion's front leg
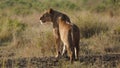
x,y
57,41
57,48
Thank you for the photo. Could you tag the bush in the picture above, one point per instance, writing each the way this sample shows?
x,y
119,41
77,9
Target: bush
x,y
89,29
9,27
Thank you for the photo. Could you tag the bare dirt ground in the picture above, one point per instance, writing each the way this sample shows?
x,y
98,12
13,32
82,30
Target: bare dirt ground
x,y
102,61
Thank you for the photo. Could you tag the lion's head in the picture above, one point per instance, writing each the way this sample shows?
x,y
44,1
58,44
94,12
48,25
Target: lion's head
x,y
46,17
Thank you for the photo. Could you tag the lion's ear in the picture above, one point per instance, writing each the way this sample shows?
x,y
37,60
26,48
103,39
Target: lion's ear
x,y
50,10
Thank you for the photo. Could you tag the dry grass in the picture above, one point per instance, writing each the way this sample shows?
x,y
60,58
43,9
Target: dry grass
x,y
100,32
40,36
35,34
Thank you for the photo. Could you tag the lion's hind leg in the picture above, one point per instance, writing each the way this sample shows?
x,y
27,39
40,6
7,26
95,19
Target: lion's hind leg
x,y
63,50
76,48
70,53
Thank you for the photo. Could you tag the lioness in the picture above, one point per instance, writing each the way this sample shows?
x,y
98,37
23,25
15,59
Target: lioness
x,y
70,36
52,16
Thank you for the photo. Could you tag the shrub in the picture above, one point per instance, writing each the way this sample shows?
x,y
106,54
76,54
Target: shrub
x,y
90,24
9,27
89,29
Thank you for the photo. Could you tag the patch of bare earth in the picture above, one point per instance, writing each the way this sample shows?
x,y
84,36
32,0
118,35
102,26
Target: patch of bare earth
x,y
103,61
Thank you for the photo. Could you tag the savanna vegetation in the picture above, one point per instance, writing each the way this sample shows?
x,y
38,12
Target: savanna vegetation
x,y
21,34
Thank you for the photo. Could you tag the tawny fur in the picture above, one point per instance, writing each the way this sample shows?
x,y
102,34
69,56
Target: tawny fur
x,y
68,33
